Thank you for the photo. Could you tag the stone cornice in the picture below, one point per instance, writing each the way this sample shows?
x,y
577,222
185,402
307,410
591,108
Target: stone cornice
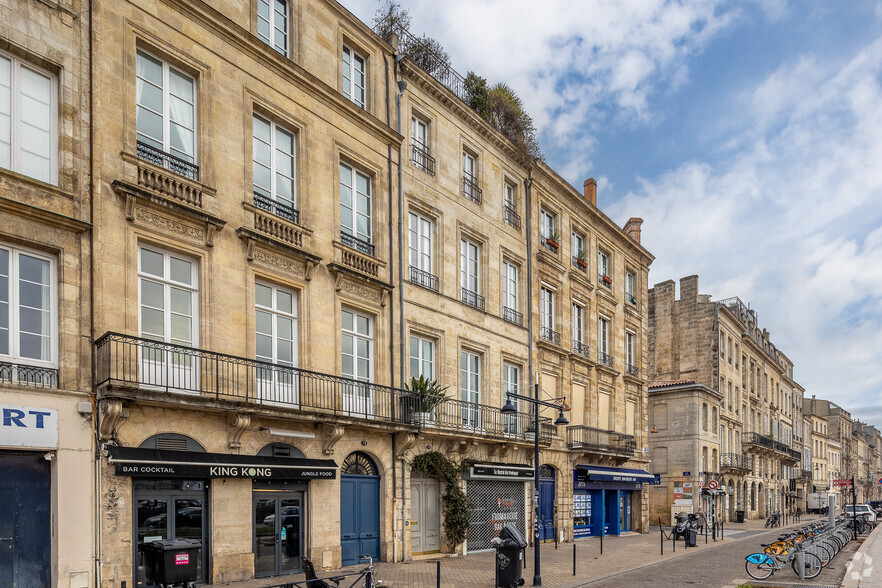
x,y
46,216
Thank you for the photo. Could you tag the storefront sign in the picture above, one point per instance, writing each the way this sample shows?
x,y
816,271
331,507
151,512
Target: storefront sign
x,y
490,471
583,481
27,426
167,470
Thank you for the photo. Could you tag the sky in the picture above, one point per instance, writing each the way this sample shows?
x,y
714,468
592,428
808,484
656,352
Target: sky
x,y
747,135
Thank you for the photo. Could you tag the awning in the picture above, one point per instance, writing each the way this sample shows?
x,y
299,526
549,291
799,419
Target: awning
x,y
608,474
160,463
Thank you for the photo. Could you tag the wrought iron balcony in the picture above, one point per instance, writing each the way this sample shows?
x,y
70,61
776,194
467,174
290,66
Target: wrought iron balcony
x,y
581,348
735,461
512,316
549,335
277,208
605,358
357,244
762,441
419,155
472,299
423,278
543,241
28,375
632,370
511,217
138,364
167,161
805,474
470,188
590,439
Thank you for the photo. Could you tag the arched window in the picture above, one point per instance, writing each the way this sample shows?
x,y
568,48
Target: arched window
x,y
546,471
172,442
359,464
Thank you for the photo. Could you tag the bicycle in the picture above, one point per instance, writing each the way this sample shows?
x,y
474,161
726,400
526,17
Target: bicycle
x,y
312,581
776,556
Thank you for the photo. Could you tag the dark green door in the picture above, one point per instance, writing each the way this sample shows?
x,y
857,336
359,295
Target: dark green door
x,y
25,531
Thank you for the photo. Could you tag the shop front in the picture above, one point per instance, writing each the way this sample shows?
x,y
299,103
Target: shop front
x,y
604,499
498,495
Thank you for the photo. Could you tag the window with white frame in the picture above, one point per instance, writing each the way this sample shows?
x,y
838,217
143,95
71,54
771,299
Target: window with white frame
x,y
470,188
470,387
274,169
357,356
166,115
275,335
580,258
510,204
630,359
469,255
603,340
422,357
420,153
28,314
546,313
272,24
629,287
603,266
510,305
354,80
511,378
578,321
355,209
547,229
28,105
420,237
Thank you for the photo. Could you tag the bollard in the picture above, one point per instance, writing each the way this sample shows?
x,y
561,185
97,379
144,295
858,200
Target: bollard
x,y
438,574
661,537
574,559
722,535
601,541
800,564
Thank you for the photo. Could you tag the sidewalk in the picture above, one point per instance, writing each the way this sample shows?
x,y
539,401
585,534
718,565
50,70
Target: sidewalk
x,y
865,568
620,554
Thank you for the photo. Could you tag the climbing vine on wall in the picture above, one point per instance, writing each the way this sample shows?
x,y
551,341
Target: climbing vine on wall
x,y
454,503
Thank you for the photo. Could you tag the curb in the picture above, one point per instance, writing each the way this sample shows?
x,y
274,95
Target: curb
x,y
859,572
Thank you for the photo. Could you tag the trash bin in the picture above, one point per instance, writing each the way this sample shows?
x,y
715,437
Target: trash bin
x,y
691,537
509,546
739,516
172,561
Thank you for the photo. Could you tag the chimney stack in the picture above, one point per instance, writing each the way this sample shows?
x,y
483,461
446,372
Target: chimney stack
x,y
590,187
632,228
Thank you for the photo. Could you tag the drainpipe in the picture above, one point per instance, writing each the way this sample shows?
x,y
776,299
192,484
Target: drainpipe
x,y
391,311
529,223
402,85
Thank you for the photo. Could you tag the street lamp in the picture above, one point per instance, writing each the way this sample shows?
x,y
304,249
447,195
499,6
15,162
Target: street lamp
x,y
509,408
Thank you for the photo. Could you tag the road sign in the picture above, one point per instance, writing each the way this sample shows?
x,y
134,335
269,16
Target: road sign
x,y
843,482
687,474
713,485
656,480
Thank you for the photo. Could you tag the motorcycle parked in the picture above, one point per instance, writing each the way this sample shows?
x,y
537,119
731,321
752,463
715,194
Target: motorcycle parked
x,y
685,522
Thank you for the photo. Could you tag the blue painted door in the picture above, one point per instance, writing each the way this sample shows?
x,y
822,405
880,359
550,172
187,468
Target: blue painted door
x,y
24,521
359,517
612,511
546,509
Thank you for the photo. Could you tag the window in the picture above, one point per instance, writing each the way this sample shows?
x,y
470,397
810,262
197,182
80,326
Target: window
x,y
704,459
275,334
469,278
357,354
272,24
704,417
27,120
422,357
603,267
511,376
578,319
547,231
729,350
470,187
729,394
421,233
579,254
630,359
510,293
419,153
629,288
353,76
166,116
714,421
355,209
470,387
168,287
510,204
28,330
603,341
546,315
274,169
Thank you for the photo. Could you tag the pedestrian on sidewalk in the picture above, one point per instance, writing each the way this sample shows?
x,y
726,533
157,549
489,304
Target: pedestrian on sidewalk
x,y
702,521
798,513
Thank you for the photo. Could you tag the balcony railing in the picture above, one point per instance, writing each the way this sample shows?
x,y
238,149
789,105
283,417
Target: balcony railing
x,y
585,438
735,461
769,443
549,335
419,155
472,299
632,370
511,217
423,278
470,188
28,375
805,474
581,348
605,358
512,316
168,161
187,372
277,208
356,243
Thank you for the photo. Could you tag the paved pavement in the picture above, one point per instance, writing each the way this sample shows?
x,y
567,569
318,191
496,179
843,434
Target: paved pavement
x,y
627,561
865,570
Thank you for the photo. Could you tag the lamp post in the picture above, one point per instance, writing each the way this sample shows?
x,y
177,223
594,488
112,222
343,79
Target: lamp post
x,y
509,408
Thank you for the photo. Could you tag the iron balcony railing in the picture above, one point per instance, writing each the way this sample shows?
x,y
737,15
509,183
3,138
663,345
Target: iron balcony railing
x,y
168,161
769,443
581,348
472,299
277,208
512,316
805,474
423,278
470,188
735,461
154,366
356,243
585,438
632,370
419,155
549,335
28,375
511,217
605,358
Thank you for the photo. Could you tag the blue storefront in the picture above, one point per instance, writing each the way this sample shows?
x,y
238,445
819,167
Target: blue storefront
x,y
603,498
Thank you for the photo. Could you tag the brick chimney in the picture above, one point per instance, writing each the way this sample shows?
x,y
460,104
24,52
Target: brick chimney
x,y
590,187
632,228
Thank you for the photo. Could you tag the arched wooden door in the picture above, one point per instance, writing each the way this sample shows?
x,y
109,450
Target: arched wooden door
x,y
359,508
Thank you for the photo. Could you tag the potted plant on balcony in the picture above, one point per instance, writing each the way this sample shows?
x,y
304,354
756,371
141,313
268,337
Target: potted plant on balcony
x,y
581,260
426,395
553,239
606,279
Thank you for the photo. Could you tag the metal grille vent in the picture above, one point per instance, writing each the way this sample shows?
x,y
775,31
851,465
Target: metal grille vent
x,y
171,444
493,504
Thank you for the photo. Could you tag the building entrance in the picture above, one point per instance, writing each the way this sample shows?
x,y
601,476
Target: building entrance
x,y
24,520
278,532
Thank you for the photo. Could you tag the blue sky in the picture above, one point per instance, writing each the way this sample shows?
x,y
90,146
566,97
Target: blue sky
x,y
747,135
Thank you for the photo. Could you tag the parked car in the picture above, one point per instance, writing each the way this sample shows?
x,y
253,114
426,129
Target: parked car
x,y
860,510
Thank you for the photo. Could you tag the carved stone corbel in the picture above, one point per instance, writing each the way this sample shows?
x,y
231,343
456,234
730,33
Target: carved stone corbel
x,y
504,448
331,434
403,442
130,207
310,265
338,282
249,249
111,415
238,423
384,298
210,230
